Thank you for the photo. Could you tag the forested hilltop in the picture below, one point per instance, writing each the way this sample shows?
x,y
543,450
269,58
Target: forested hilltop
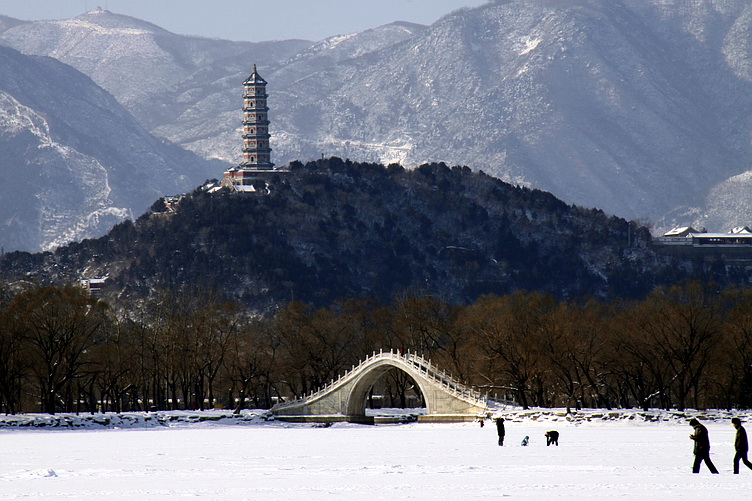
x,y
335,229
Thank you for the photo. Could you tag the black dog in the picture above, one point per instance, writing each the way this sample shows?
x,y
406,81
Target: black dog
x,y
552,437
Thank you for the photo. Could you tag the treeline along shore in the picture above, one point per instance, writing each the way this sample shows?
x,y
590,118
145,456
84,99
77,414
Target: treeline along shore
x,y
62,350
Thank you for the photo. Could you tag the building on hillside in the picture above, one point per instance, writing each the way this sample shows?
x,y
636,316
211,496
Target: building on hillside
x,y
257,152
93,285
682,231
169,205
734,246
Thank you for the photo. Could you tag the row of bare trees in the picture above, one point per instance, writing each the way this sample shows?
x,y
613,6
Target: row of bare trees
x,y
684,346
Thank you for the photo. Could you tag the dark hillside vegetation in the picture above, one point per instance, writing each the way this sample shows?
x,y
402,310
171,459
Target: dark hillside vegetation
x,y
334,229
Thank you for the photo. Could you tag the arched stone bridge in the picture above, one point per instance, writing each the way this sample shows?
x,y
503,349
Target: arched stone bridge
x,y
447,400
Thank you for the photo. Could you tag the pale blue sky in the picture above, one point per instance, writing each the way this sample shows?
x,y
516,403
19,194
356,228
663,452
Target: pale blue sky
x,y
251,20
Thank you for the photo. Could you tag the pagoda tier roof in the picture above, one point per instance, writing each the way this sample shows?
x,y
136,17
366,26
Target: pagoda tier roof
x,y
255,78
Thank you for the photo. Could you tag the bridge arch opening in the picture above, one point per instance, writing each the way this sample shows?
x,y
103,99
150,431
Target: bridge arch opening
x,y
396,389
386,380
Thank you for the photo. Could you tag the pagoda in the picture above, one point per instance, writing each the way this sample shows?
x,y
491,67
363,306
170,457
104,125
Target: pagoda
x,y
257,153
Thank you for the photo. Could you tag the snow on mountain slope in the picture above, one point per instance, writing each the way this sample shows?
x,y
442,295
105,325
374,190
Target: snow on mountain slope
x,y
99,48
638,107
604,104
52,219
74,161
210,120
132,58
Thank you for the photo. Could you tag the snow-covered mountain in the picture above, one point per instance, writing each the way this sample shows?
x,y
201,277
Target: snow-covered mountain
x,y
638,107
73,161
132,58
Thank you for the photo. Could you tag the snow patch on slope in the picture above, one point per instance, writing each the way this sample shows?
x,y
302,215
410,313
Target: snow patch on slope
x,y
15,117
529,44
84,25
61,221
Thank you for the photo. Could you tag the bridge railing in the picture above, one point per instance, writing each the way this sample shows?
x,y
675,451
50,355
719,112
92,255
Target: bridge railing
x,y
326,388
445,380
417,362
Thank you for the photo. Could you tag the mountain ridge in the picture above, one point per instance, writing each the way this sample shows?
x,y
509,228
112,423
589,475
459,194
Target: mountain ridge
x,y
75,162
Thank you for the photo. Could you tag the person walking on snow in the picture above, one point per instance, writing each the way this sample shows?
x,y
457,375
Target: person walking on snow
x,y
740,445
702,447
500,430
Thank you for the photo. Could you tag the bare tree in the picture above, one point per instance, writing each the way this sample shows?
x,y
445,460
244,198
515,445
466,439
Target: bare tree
x,y
59,324
736,362
14,361
682,324
578,348
509,330
317,346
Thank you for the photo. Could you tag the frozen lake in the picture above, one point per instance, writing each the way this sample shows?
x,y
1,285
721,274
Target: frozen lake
x,y
415,461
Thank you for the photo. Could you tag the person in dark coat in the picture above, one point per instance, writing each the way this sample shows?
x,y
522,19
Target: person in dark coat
x,y
741,445
702,447
552,437
500,430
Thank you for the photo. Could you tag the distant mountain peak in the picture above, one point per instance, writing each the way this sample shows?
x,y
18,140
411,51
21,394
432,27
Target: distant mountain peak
x,y
114,21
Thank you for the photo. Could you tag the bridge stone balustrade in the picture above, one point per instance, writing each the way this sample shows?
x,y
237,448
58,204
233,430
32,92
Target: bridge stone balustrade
x,y
447,400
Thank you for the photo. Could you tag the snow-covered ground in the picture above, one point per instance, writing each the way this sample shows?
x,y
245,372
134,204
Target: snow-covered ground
x,y
212,456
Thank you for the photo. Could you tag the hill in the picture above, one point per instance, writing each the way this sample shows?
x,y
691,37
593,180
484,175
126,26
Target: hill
x,y
74,161
334,229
